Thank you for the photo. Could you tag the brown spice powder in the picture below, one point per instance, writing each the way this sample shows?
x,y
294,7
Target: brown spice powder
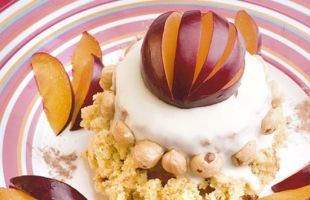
x,y
61,165
303,113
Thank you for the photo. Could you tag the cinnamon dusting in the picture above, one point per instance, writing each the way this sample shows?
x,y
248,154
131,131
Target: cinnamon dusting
x,y
303,113
61,165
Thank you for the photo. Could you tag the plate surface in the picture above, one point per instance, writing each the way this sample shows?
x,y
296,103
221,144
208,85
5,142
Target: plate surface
x,y
55,26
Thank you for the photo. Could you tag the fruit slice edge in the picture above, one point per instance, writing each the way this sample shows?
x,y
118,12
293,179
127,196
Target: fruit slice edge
x,y
302,193
82,62
93,88
55,89
46,188
14,194
169,45
299,179
249,31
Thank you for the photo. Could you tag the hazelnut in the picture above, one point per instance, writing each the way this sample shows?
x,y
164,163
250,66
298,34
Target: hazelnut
x,y
206,165
276,94
174,162
113,86
271,121
245,155
107,105
106,77
122,134
146,154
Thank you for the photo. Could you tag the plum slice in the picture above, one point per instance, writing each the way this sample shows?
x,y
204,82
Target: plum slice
x,y
84,74
186,55
192,59
302,193
46,188
169,45
152,68
249,30
91,87
299,179
55,89
14,194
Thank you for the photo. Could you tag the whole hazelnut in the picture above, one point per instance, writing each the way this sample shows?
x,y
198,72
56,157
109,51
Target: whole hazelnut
x,y
245,155
272,120
174,162
122,134
106,77
107,105
206,165
146,154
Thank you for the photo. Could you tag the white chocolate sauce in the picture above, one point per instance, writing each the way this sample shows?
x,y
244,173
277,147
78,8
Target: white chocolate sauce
x,y
228,125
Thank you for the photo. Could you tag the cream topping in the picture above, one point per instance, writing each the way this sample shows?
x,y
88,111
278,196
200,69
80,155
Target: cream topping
x,y
227,125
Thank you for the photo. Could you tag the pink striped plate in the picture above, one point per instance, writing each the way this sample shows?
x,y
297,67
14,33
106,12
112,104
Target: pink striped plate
x,y
55,26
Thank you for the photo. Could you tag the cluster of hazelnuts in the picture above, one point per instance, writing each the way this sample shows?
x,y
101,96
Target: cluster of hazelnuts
x,y
147,154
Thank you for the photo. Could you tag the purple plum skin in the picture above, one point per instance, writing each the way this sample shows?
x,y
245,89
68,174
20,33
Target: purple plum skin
x,y
228,70
46,188
152,68
297,180
186,54
94,88
185,93
217,48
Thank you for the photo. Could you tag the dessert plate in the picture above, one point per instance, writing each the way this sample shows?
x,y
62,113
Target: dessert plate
x,y
27,143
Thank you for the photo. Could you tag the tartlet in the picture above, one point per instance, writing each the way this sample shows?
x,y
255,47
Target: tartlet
x,y
208,132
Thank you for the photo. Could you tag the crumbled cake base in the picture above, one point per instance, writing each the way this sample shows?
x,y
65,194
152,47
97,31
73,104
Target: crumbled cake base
x,y
92,115
265,165
117,176
266,162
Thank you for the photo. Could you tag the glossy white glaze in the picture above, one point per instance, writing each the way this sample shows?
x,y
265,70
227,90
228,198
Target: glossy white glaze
x,y
228,125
